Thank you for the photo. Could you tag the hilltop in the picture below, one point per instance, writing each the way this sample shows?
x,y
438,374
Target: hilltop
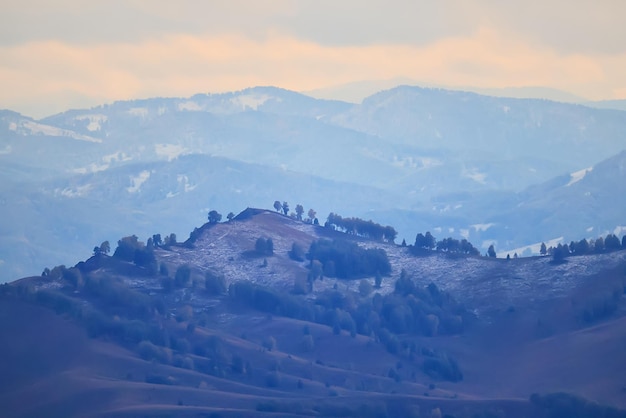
x,y
238,321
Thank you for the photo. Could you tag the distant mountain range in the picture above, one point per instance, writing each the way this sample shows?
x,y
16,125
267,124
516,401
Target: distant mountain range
x,y
493,170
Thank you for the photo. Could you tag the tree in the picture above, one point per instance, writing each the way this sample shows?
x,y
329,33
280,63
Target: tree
x,y
598,245
170,239
491,252
269,247
285,207
297,252
311,215
156,240
264,246
183,276
214,217
543,250
214,283
277,206
126,248
559,253
299,212
611,242
580,248
365,287
230,216
105,247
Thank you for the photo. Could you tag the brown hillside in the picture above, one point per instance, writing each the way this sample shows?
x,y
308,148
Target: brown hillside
x,y
121,344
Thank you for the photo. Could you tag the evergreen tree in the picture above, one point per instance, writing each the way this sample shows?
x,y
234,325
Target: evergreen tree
x,y
299,212
277,206
543,250
611,242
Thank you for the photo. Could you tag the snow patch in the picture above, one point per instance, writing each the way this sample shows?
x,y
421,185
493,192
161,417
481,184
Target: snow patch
x,y
138,111
6,150
91,168
95,121
73,192
190,106
506,109
170,151
137,181
27,127
532,249
482,227
619,231
13,126
118,156
420,163
250,101
589,229
184,181
475,175
577,176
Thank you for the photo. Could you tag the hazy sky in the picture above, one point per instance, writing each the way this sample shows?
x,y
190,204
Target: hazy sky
x,y
58,54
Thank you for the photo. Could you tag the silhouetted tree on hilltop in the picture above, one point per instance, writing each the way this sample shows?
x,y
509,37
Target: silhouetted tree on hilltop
x,y
299,212
214,217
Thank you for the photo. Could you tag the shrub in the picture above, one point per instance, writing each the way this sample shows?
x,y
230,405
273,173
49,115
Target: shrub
x,y
214,283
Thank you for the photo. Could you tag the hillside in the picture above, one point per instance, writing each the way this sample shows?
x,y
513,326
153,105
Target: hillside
x,y
417,158
233,323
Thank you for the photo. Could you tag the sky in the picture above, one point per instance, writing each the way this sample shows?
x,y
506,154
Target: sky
x,y
62,54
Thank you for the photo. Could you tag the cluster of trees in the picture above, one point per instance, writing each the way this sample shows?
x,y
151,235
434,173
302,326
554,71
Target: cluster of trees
x,y
427,242
131,249
346,260
409,310
362,228
103,248
298,213
600,245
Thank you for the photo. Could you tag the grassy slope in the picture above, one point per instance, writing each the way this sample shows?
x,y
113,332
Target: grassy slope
x,y
53,369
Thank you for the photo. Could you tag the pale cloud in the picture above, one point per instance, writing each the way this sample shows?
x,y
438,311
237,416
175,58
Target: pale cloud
x,y
67,75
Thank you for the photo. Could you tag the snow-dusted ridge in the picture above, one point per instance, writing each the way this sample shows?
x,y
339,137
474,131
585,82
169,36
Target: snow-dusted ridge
x,y
28,127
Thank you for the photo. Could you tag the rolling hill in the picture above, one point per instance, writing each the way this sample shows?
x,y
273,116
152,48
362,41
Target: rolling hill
x,y
220,326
